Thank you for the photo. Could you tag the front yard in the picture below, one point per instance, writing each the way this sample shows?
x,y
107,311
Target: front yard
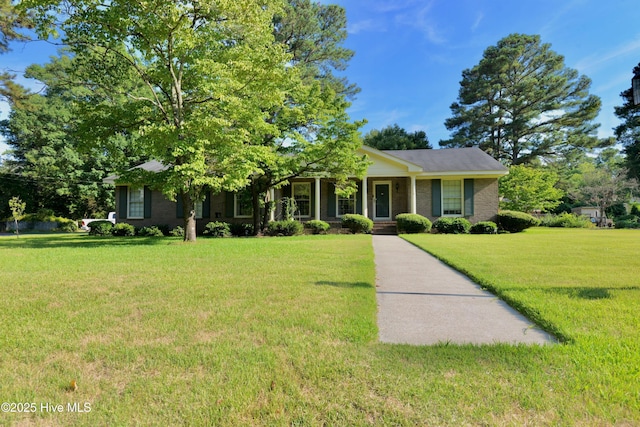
x,y
281,331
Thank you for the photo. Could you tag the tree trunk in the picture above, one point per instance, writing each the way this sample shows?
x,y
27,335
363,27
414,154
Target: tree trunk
x,y
255,204
189,213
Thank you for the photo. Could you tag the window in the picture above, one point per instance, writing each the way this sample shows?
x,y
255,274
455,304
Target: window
x,y
346,205
136,203
242,204
199,210
302,195
452,197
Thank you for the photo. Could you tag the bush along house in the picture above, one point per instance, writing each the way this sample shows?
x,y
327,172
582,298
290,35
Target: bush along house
x,y
455,182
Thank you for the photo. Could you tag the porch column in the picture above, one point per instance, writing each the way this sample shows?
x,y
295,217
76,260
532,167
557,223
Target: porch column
x,y
365,206
272,198
413,194
317,199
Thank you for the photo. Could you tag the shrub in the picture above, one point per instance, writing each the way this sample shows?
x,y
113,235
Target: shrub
x,y
284,228
567,220
452,225
123,229
632,222
241,229
177,232
152,231
635,210
514,221
67,225
412,223
100,228
316,226
484,227
357,223
217,229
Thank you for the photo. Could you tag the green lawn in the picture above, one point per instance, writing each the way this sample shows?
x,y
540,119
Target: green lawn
x,y
281,331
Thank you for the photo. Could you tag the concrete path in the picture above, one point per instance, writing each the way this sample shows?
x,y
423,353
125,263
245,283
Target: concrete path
x,y
423,301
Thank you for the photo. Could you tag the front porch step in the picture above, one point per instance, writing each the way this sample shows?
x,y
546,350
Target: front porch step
x,y
384,228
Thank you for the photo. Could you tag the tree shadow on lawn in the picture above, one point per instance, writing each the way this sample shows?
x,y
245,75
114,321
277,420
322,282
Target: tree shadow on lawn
x,y
81,241
589,293
346,285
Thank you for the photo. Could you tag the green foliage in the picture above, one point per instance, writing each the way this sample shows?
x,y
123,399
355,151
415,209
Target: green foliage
x,y
447,225
527,189
566,220
628,132
241,229
177,232
123,229
67,225
151,231
100,228
521,102
484,227
396,138
357,223
628,223
217,229
412,223
635,210
17,208
284,228
317,226
515,222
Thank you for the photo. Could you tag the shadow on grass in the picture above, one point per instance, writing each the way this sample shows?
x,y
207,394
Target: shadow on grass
x,y
346,285
42,241
589,293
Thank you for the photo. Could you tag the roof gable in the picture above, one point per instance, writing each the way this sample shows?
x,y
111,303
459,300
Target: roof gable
x,y
451,161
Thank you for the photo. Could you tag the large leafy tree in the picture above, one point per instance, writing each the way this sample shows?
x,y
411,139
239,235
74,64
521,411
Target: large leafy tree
x,y
61,170
521,103
208,73
628,132
528,189
396,138
316,136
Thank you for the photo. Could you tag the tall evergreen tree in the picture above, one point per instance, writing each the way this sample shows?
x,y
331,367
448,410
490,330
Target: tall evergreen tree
x,y
628,132
521,103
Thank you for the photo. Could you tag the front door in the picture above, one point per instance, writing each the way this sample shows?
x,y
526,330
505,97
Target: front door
x,y
382,191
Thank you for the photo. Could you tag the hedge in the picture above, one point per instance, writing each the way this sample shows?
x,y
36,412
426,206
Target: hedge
x,y
448,225
515,222
357,223
412,223
289,227
317,226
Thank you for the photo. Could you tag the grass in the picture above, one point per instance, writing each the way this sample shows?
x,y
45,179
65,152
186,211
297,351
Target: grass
x,y
281,331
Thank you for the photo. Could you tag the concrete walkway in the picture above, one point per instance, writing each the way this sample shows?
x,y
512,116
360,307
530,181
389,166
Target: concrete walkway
x,y
423,301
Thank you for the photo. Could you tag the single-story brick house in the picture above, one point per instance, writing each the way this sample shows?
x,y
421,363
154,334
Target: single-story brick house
x,y
456,182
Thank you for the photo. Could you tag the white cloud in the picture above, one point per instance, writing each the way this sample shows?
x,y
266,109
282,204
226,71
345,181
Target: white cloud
x,y
598,59
365,25
477,22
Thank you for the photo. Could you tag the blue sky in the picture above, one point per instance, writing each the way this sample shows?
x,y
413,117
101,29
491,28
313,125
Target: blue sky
x,y
410,53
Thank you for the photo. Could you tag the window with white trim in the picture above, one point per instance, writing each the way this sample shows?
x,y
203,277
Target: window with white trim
x,y
301,192
346,204
452,197
243,205
136,203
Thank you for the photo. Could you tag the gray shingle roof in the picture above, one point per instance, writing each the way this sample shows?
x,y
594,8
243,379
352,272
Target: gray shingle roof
x,y
450,159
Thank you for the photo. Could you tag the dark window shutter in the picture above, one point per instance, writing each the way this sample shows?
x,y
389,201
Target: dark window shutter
x,y
123,202
312,202
359,199
179,205
468,197
147,202
229,207
286,191
331,200
436,198
206,205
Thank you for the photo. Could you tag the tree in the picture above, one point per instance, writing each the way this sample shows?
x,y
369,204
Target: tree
x,y
521,103
527,189
628,132
11,20
317,137
207,74
62,171
17,207
604,188
396,138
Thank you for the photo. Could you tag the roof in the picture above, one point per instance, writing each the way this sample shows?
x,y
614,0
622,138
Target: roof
x,y
468,159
